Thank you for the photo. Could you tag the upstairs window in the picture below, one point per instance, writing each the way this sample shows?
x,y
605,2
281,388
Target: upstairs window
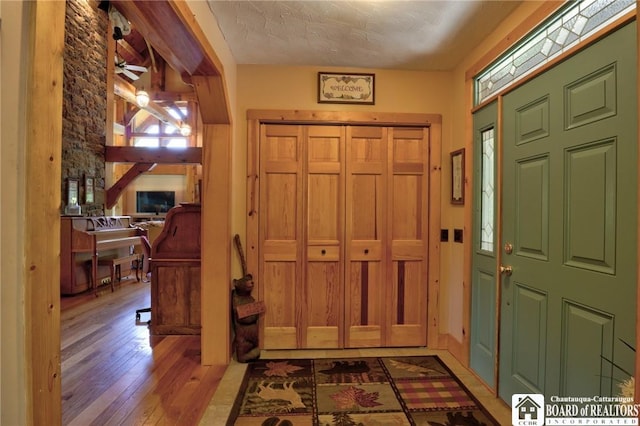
x,y
149,131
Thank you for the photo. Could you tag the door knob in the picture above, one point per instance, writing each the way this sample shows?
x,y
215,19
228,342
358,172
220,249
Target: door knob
x,y
506,270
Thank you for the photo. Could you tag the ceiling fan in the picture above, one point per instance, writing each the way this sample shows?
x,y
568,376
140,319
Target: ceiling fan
x,y
122,67
121,27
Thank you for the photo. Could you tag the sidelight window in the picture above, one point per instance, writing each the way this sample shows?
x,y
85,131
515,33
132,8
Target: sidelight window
x,y
487,184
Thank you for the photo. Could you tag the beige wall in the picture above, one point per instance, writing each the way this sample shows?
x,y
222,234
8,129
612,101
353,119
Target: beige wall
x,y
13,42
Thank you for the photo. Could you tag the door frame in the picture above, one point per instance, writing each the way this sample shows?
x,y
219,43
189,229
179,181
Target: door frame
x,y
434,121
545,10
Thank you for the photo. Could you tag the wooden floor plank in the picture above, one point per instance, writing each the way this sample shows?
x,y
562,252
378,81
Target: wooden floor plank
x,y
115,373
161,388
130,405
198,393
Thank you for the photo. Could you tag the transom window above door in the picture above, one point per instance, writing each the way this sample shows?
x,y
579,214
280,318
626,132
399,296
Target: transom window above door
x,y
571,25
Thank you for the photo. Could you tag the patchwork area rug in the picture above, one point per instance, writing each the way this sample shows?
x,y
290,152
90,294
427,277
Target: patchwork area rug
x,y
355,391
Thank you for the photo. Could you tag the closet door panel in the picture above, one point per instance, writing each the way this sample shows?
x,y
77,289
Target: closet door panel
x,y
324,225
324,304
365,211
408,232
343,236
281,235
323,199
279,322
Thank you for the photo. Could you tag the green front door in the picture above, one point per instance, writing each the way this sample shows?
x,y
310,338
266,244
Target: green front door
x,y
483,288
569,214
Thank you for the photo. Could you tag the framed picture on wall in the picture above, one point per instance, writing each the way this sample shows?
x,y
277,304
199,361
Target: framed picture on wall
x,y
89,190
457,177
72,191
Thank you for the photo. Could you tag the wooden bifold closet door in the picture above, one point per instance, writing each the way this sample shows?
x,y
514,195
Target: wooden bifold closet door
x,y
343,235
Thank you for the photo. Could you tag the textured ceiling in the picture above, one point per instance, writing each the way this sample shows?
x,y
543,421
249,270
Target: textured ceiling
x,y
409,35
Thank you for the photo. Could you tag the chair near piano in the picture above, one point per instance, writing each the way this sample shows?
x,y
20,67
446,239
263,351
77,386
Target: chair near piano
x,y
153,228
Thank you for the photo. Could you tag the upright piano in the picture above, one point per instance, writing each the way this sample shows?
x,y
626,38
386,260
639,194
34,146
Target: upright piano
x,y
84,240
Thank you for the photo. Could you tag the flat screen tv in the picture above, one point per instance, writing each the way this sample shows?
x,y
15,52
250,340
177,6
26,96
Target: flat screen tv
x,y
155,201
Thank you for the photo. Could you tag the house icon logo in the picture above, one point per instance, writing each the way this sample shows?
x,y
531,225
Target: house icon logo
x,y
527,409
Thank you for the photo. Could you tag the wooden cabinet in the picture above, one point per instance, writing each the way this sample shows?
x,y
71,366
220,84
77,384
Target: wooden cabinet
x,y
175,273
343,232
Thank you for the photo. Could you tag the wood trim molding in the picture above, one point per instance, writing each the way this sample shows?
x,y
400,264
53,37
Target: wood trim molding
x,y
464,355
160,155
343,117
498,283
212,99
435,203
637,360
216,245
456,348
114,192
41,266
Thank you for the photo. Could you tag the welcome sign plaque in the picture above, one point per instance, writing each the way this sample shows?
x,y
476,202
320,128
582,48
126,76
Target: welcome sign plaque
x,y
344,88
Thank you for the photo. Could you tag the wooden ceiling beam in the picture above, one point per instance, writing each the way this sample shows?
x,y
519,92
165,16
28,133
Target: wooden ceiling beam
x,y
127,92
160,155
130,51
174,96
212,102
161,23
173,32
116,190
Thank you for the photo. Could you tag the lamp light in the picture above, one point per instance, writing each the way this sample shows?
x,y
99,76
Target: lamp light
x,y
142,98
185,130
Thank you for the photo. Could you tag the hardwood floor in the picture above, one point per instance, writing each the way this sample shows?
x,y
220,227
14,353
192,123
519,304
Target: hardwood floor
x,y
115,373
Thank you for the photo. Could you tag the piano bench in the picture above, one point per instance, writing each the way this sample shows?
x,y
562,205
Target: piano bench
x,y
115,263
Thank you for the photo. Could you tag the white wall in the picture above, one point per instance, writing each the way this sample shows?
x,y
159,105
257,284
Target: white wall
x,y
13,50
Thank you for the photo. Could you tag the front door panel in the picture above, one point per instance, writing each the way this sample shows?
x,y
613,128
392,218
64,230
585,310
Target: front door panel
x,y
570,211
